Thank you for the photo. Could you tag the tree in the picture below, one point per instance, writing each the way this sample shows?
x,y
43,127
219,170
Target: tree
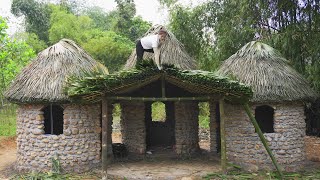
x,y
37,16
66,25
101,19
110,49
126,24
292,27
193,27
13,56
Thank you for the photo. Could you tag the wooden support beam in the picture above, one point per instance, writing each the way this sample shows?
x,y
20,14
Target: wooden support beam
x,y
104,137
205,98
262,138
223,136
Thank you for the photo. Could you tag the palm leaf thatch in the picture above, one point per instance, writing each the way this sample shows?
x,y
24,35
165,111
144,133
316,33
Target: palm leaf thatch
x,y
172,52
195,81
43,80
268,73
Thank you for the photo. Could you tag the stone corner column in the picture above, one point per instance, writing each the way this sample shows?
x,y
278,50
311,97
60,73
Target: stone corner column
x,y
133,126
214,126
187,127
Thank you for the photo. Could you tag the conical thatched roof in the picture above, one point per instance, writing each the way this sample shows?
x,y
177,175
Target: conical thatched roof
x,y
43,80
172,52
271,78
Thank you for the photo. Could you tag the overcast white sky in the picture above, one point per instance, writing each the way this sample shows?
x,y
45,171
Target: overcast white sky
x,y
149,10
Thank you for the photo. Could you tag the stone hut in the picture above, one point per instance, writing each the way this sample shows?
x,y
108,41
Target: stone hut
x,y
48,124
177,85
279,93
136,89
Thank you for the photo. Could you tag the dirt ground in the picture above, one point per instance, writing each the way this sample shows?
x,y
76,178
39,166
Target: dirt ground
x,y
7,156
161,164
153,166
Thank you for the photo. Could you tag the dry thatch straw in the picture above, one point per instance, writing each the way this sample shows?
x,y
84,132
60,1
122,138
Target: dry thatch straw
x,y
172,52
271,78
43,80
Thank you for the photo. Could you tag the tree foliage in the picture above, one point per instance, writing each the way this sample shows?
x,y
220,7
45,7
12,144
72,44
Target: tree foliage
x,y
126,24
67,25
13,56
215,30
110,48
37,16
108,36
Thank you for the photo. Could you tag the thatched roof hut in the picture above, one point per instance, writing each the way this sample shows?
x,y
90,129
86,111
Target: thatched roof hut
x,y
172,52
268,73
43,80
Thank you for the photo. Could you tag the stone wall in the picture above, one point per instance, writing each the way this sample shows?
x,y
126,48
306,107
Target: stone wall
x,y
78,147
213,127
287,142
133,127
186,127
312,147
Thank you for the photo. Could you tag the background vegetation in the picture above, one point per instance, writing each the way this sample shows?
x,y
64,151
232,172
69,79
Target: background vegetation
x,y
211,32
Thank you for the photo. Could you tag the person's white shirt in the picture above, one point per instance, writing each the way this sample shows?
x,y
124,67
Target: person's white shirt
x,y
150,42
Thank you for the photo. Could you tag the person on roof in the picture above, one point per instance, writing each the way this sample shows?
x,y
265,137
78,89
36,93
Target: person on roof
x,y
152,44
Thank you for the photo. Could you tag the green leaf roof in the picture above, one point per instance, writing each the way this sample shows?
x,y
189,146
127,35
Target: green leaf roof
x,y
92,86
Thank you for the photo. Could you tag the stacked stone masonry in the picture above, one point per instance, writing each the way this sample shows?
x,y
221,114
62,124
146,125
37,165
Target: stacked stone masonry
x,y
312,147
213,127
287,141
78,147
133,126
186,127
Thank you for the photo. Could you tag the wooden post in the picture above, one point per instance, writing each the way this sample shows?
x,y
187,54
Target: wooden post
x,y
104,137
223,136
262,138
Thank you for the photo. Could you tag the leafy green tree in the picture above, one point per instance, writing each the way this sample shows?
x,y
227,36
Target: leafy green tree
x,y
32,40
101,19
110,49
126,24
216,29
37,16
193,27
67,25
13,56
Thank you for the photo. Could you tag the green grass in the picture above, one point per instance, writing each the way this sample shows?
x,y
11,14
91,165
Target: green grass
x,y
204,115
158,111
55,176
8,120
235,175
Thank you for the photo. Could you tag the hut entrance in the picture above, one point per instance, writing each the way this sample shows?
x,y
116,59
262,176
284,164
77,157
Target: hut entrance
x,y
160,124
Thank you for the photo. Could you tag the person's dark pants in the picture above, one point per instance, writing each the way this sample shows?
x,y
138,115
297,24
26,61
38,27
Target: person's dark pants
x,y
140,51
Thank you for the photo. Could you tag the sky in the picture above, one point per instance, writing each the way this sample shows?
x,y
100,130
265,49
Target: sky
x,y
149,10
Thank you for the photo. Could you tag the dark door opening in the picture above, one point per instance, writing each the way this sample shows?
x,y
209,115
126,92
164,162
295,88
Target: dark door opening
x,y
160,133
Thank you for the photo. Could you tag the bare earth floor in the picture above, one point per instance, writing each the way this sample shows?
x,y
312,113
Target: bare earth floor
x,y
7,156
166,169
155,166
161,164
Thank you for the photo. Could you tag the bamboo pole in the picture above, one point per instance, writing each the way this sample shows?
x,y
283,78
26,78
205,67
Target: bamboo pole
x,y
104,137
223,136
206,98
262,138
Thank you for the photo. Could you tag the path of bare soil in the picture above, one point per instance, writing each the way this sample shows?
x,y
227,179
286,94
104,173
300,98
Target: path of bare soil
x,y
152,167
8,150
155,166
